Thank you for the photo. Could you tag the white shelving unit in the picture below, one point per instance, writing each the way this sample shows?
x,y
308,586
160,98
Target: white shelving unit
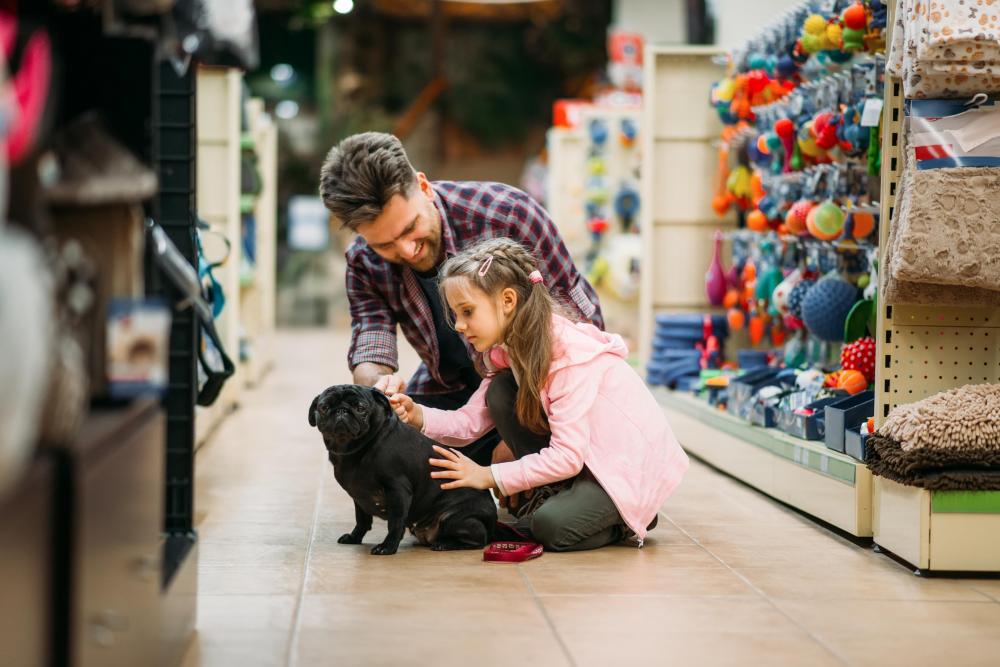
x,y
568,152
680,157
218,109
257,295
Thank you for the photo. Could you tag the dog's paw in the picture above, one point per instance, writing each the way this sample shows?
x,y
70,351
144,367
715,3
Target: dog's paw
x,y
349,538
384,549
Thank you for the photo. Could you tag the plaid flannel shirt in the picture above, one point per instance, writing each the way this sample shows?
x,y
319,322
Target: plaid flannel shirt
x,y
383,295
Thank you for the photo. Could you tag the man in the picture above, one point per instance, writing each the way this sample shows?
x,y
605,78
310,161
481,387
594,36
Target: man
x,y
407,226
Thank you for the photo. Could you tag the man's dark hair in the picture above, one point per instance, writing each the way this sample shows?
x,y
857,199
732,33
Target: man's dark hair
x,y
361,174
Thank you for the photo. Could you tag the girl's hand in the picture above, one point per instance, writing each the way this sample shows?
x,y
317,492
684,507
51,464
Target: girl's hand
x,y
462,469
409,412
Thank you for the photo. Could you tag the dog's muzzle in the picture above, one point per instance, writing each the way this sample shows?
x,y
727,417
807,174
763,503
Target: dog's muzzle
x,y
343,425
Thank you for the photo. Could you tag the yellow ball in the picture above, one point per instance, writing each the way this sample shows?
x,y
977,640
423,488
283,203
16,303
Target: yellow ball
x,y
725,90
815,24
834,33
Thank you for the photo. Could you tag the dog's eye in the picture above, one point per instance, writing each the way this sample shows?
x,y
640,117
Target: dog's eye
x,y
362,407
323,409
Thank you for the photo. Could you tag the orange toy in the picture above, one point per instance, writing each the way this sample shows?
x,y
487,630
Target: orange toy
x,y
864,224
756,187
732,298
736,319
853,382
797,214
757,221
756,329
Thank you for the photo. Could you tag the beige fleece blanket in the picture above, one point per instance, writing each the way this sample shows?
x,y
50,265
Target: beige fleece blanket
x,y
944,240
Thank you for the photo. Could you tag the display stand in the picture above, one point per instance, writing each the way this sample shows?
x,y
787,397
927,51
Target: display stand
x,y
567,187
830,486
679,174
678,177
219,93
173,125
257,291
923,351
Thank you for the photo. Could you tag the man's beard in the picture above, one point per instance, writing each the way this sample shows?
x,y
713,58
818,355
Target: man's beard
x,y
430,255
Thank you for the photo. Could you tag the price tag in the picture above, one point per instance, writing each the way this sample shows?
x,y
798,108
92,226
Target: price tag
x,y
872,112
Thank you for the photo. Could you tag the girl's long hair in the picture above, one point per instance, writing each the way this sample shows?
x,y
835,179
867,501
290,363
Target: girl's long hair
x,y
528,334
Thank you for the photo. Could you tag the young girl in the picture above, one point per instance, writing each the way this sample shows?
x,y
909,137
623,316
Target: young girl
x,y
579,421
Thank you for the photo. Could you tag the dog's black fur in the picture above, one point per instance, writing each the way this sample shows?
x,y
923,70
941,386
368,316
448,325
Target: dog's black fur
x,y
384,465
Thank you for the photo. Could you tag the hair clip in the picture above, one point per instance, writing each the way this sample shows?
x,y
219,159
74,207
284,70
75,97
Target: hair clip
x,y
535,276
487,263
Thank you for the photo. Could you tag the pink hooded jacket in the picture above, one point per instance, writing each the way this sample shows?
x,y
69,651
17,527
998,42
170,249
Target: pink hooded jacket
x,y
600,415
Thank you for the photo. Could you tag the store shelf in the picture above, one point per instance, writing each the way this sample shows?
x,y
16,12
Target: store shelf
x,y
257,296
679,176
924,350
938,531
219,145
828,485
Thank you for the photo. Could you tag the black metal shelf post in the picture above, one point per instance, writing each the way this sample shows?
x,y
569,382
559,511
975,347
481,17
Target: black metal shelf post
x,y
174,208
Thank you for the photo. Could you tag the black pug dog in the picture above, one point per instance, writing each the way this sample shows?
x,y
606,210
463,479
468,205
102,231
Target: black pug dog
x,y
383,464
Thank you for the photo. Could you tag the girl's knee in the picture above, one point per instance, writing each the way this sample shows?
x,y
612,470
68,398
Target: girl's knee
x,y
550,531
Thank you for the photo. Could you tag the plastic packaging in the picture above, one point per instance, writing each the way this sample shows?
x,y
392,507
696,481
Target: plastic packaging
x,y
954,133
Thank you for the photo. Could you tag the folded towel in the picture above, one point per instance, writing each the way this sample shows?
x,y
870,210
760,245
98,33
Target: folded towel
x,y
945,49
921,268
885,457
947,231
956,427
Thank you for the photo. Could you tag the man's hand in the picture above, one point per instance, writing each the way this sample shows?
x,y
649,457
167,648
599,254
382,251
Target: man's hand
x,y
390,385
409,412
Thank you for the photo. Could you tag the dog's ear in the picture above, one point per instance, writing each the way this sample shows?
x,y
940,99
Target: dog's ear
x,y
380,397
312,410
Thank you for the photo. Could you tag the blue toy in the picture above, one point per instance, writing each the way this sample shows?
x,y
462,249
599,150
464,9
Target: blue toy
x,y
826,306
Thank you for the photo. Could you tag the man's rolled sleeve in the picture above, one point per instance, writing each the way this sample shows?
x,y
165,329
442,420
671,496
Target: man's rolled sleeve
x,y
373,326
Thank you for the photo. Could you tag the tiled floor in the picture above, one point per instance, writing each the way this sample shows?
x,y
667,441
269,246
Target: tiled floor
x,y
728,578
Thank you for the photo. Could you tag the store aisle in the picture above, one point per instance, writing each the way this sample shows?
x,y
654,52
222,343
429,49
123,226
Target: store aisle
x,y
728,578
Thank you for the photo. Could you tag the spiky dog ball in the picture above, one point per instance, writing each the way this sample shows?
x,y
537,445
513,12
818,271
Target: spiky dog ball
x,y
826,306
860,356
797,295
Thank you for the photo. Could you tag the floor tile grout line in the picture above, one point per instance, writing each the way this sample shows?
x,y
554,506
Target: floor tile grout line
x,y
297,613
985,594
767,598
545,614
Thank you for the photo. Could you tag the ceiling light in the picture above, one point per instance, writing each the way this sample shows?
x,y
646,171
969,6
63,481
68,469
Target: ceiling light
x,y
286,109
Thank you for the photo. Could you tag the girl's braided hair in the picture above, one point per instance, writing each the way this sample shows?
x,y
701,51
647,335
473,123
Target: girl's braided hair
x,y
528,333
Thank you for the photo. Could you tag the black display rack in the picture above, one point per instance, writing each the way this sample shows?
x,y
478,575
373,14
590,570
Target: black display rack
x,y
173,208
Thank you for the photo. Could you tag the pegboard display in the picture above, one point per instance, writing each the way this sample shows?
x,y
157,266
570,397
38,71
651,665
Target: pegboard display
x,y
927,351
923,350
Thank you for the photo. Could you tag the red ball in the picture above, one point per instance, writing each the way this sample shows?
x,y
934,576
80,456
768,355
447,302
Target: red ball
x,y
598,225
784,128
855,17
860,356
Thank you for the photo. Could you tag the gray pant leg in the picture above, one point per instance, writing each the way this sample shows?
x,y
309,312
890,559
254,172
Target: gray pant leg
x,y
579,518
